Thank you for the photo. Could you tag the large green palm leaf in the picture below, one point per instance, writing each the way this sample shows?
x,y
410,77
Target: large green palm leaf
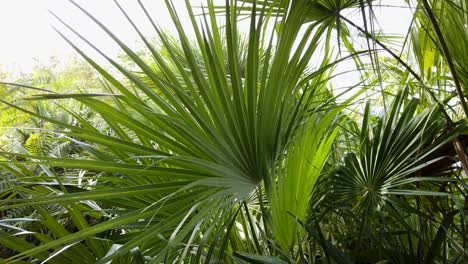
x,y
210,136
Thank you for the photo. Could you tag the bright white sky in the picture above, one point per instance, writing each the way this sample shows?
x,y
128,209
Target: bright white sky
x,y
27,35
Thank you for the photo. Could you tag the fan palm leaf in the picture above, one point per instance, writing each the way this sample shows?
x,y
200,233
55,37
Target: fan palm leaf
x,y
187,151
391,153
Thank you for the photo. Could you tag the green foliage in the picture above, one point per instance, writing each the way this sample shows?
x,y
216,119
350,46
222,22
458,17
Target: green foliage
x,y
234,149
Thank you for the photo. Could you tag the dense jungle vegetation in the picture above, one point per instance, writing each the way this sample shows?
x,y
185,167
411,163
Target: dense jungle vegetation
x,y
234,143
